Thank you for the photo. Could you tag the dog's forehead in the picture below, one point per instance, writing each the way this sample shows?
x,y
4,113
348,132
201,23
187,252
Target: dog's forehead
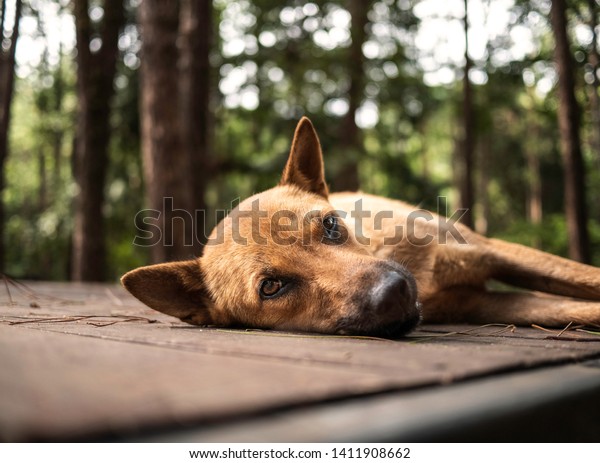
x,y
272,209
275,214
283,198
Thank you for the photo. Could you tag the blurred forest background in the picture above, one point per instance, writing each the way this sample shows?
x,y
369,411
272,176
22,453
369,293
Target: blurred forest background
x,y
108,106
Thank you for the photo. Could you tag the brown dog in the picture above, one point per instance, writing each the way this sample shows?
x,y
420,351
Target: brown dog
x,y
296,258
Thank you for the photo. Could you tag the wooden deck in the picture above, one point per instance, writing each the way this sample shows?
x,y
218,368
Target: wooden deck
x,y
89,362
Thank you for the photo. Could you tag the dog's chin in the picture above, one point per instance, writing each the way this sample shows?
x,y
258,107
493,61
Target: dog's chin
x,y
397,330
390,330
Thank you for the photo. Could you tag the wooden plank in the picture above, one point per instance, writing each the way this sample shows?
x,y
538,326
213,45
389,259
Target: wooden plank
x,y
441,359
557,404
46,299
64,375
56,386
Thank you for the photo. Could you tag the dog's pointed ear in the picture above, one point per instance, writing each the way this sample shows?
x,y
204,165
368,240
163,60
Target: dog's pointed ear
x,y
174,288
304,167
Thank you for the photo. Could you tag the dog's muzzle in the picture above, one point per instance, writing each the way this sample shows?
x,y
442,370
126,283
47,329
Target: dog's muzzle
x,y
389,308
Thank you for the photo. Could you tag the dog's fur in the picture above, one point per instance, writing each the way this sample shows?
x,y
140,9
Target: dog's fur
x,y
333,281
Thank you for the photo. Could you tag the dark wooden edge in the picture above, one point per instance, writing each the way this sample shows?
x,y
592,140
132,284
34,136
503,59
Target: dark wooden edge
x,y
557,404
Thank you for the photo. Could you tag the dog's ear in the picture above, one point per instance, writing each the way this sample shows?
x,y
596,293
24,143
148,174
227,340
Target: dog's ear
x,y
304,167
174,288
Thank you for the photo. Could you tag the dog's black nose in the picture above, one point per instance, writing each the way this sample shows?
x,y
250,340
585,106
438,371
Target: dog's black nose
x,y
393,304
389,308
390,293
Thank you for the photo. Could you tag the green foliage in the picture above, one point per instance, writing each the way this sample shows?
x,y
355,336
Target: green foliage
x,y
39,186
269,68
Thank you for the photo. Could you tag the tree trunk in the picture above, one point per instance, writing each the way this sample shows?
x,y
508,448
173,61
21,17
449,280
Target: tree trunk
x,y
425,161
195,32
483,203
594,61
534,181
43,189
351,142
568,121
468,138
95,76
7,75
166,165
57,132
2,16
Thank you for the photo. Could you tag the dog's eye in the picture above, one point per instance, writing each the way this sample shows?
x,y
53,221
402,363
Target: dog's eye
x,y
331,225
270,287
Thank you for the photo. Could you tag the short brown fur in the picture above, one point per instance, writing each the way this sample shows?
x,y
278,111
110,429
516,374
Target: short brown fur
x,y
358,282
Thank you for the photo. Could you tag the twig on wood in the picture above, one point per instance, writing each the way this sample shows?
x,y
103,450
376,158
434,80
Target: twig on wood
x,y
77,318
30,293
51,320
595,333
299,335
5,278
538,327
569,327
564,329
470,332
125,320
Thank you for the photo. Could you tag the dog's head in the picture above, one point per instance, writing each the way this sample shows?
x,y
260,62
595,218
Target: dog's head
x,y
284,259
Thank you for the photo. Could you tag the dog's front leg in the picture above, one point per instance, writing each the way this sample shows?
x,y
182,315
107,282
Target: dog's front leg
x,y
483,259
479,306
533,269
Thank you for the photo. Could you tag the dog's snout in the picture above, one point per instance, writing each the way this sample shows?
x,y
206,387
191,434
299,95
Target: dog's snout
x,y
393,289
389,308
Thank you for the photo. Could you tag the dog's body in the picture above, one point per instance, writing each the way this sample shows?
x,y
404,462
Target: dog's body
x,y
296,258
